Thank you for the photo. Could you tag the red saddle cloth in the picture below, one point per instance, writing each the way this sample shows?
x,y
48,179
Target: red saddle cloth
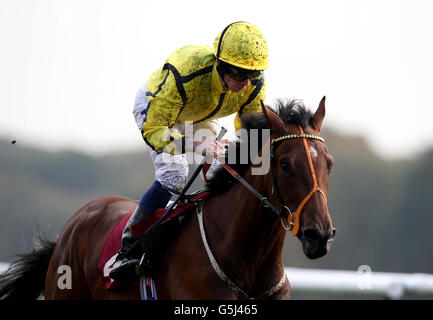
x,y
113,242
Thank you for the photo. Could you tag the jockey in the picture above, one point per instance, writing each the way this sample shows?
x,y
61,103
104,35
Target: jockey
x,y
196,85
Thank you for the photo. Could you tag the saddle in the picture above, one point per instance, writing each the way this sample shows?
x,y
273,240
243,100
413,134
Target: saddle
x,y
151,240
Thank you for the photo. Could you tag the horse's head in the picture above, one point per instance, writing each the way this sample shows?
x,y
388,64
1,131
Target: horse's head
x,y
301,168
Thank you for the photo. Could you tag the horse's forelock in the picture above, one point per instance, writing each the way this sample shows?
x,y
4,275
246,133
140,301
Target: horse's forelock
x,y
290,111
293,111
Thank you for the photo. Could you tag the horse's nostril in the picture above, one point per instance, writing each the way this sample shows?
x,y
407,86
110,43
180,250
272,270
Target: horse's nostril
x,y
312,234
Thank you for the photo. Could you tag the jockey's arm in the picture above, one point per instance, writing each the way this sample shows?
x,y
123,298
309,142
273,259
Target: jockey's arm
x,y
157,128
160,136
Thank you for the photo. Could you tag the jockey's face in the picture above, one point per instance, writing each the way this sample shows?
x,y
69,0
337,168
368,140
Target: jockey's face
x,y
236,85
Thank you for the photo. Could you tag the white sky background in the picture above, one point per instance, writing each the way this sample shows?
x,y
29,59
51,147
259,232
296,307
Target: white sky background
x,y
69,69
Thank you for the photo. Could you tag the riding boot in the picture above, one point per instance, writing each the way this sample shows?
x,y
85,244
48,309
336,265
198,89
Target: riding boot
x,y
125,264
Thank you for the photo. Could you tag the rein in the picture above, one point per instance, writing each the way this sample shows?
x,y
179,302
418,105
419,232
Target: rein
x,y
293,218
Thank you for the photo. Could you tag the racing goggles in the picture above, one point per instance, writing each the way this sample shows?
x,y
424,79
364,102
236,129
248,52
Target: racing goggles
x,y
240,74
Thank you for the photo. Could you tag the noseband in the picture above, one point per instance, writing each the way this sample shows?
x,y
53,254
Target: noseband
x,y
293,222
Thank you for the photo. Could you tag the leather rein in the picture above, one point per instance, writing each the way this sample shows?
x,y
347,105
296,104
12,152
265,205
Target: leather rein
x,y
293,218
293,222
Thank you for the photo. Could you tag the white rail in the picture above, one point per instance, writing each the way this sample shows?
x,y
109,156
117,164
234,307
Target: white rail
x,y
360,283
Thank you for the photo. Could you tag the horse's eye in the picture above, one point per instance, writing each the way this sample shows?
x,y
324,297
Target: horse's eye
x,y
286,166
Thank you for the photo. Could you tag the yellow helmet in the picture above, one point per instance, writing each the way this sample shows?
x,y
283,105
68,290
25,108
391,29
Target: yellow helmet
x,y
241,44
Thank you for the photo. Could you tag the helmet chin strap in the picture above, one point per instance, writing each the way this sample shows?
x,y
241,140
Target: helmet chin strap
x,y
221,73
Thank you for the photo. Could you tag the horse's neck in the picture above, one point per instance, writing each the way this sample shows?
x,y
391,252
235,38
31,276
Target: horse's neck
x,y
245,238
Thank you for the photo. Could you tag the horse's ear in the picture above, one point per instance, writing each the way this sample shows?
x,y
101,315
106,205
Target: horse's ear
x,y
316,121
274,122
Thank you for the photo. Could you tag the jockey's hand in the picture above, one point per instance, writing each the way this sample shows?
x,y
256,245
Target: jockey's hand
x,y
212,149
226,142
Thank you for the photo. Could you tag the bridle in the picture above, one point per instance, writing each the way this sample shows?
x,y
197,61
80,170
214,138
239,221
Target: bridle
x,y
293,218
293,222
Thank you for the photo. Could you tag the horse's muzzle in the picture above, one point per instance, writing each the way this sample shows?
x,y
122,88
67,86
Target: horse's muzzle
x,y
316,243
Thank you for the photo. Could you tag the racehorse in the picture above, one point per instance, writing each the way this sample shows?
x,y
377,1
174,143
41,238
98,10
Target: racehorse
x,y
234,250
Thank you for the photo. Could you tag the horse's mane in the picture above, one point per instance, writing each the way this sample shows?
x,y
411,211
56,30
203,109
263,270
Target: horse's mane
x,y
291,111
